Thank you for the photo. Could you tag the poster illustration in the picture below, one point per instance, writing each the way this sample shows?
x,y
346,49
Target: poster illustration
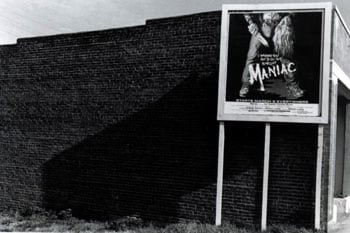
x,y
274,63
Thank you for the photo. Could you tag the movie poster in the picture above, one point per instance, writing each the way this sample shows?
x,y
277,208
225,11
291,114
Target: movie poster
x,y
274,63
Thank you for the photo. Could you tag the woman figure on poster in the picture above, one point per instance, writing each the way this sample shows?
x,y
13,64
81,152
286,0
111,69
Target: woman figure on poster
x,y
277,27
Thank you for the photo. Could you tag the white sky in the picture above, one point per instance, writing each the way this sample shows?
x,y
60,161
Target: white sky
x,y
30,18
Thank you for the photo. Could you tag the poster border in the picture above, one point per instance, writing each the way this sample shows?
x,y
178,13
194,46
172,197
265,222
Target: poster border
x,y
325,73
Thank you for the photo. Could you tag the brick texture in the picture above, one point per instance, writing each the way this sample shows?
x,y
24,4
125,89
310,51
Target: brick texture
x,y
113,123
123,122
292,174
243,169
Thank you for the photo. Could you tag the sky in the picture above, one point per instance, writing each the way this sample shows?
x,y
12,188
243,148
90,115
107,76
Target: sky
x,y
31,18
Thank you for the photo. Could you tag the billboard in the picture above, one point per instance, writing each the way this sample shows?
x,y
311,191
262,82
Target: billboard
x,y
274,62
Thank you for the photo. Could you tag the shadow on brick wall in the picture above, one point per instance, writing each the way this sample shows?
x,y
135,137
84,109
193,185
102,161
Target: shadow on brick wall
x,y
149,164
243,172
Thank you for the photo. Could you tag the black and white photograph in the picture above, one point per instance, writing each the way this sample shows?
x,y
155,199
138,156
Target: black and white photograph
x,y
184,116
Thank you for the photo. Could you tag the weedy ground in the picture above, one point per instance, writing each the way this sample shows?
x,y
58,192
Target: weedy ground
x,y
40,221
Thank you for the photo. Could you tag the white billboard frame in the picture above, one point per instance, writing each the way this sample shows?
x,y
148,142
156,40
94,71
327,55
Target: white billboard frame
x,y
325,72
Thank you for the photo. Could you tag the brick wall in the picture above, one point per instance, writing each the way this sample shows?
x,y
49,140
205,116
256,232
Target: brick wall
x,y
292,174
243,172
123,122
115,122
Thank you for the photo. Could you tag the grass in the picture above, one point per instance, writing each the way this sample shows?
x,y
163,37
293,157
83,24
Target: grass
x,y
64,222
15,221
226,228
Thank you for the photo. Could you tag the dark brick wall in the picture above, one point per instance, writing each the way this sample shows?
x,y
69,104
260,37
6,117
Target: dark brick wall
x,y
123,122
113,123
243,172
293,157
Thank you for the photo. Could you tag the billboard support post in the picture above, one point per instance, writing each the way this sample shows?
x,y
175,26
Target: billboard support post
x,y
265,177
318,178
220,174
